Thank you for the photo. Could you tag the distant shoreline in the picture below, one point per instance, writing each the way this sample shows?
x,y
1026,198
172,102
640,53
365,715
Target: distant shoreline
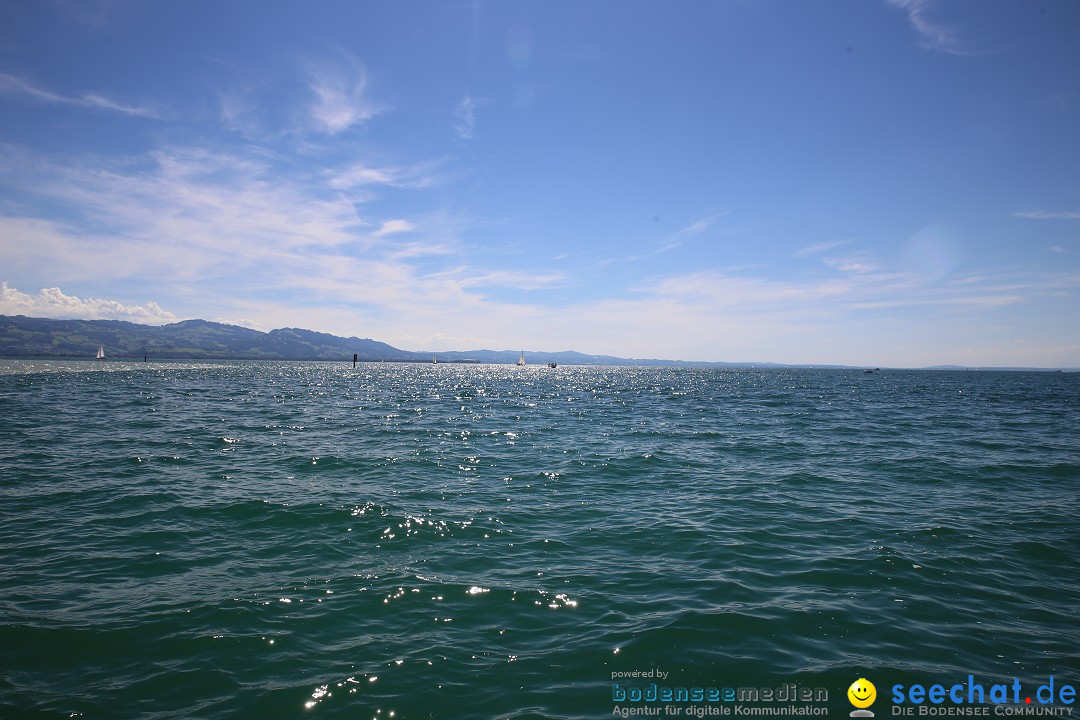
x,y
677,364
47,338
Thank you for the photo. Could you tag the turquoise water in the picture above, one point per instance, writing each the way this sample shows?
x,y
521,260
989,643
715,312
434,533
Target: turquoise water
x,y
290,540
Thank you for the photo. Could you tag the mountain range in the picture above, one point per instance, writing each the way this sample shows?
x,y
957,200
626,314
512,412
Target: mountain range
x,y
22,336
204,340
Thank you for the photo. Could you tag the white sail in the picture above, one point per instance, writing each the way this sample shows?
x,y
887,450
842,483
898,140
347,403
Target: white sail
x,y
521,360
100,352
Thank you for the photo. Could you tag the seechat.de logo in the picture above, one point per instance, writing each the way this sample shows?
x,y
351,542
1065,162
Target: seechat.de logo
x,y
862,694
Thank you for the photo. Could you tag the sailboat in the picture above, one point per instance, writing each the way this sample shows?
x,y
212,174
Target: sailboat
x,y
521,360
434,360
100,352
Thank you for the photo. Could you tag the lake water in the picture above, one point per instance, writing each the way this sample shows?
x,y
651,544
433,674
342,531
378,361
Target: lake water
x,y
286,540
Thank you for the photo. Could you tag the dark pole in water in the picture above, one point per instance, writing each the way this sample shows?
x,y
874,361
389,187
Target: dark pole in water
x,y
354,360
144,357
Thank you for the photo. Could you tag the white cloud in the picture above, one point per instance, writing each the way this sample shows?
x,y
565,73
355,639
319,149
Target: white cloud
x,y
240,114
857,263
820,247
985,301
238,235
674,240
860,289
722,291
410,177
96,100
708,315
518,280
359,175
424,248
241,322
340,95
934,36
12,85
53,303
393,227
696,227
465,117
225,230
188,215
1044,215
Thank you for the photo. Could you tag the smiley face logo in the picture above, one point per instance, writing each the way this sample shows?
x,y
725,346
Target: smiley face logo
x,y
862,693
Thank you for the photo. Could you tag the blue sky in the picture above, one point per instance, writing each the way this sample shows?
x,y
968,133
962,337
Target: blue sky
x,y
882,182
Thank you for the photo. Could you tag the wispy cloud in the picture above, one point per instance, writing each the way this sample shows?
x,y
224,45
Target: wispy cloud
x,y
236,232
518,280
933,35
53,303
360,175
21,87
340,91
239,114
465,117
242,322
856,290
697,227
856,263
233,233
189,213
820,247
674,240
729,292
393,227
12,85
1044,215
413,177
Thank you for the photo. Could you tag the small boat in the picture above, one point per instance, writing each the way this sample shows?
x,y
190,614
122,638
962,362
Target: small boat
x,y
552,365
100,353
521,360
434,360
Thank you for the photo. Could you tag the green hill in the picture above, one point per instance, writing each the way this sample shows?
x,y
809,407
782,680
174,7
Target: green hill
x,y
190,339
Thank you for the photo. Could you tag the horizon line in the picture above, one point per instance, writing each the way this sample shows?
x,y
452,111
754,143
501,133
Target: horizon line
x,y
626,361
